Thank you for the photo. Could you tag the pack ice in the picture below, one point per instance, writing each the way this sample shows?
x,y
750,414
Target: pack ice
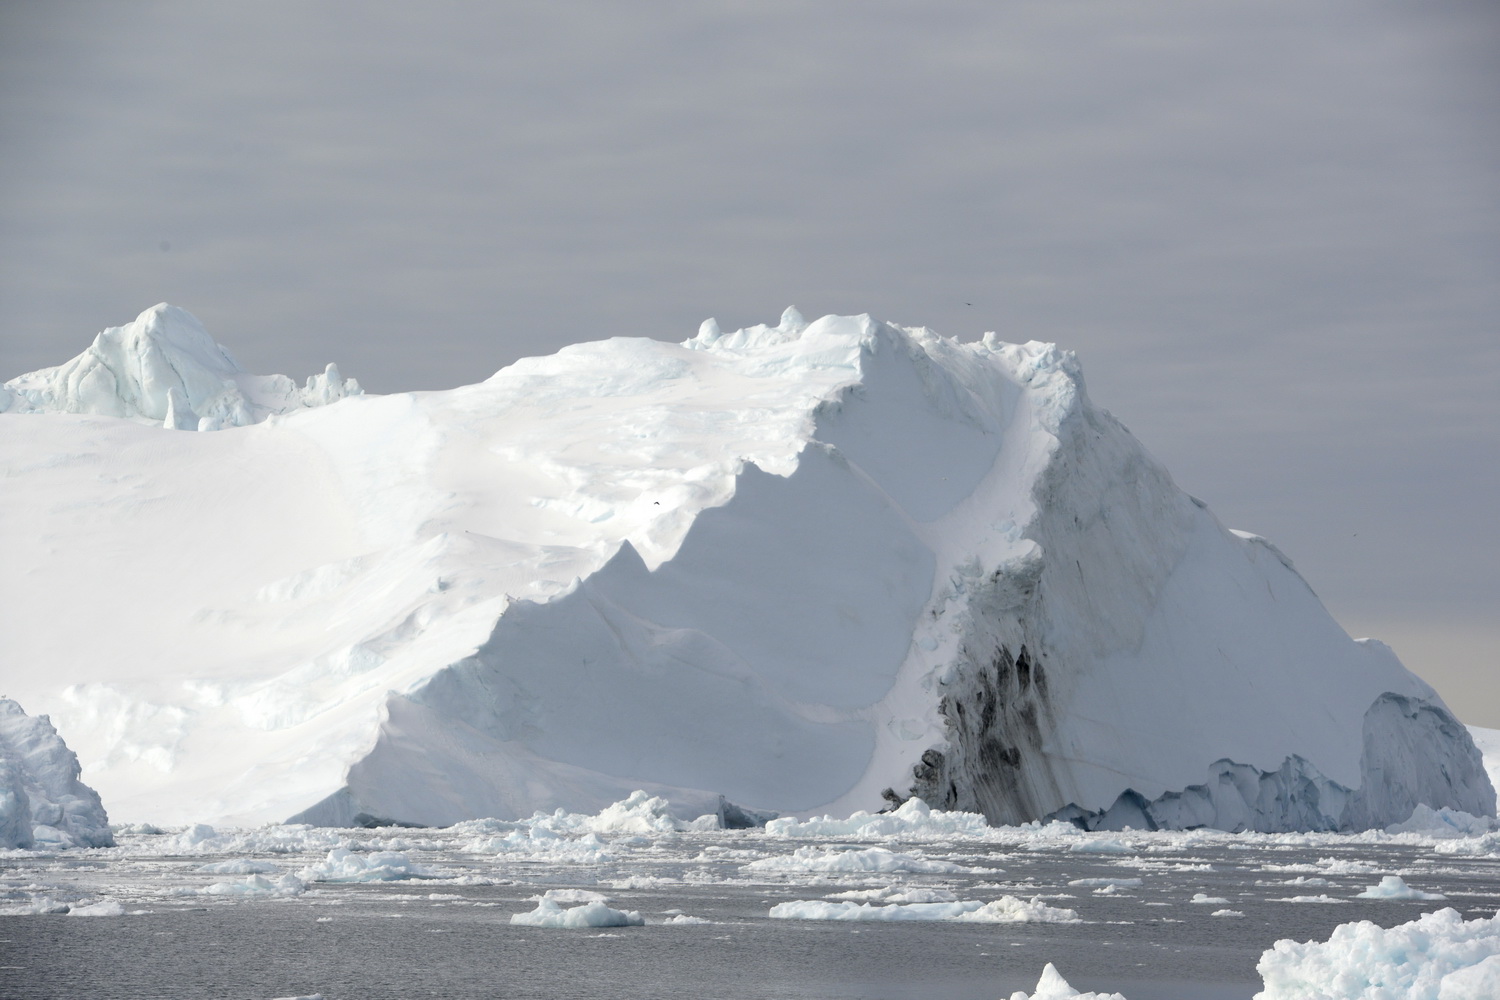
x,y
795,568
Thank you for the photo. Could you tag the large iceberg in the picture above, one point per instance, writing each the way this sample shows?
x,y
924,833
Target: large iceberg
x,y
802,568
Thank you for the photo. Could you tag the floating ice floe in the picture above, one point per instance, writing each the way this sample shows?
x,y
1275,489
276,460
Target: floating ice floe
x,y
1052,986
1005,910
1395,887
897,894
1438,956
103,908
343,865
680,919
256,886
284,838
1106,883
912,820
239,866
549,913
1203,899
873,859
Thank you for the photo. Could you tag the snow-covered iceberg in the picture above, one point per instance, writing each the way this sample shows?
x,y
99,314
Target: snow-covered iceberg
x,y
42,802
795,568
164,368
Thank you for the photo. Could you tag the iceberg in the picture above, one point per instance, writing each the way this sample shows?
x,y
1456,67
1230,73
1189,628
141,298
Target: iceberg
x,y
165,369
43,805
807,569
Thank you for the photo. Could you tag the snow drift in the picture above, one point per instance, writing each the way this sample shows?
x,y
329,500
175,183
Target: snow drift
x,y
42,802
783,569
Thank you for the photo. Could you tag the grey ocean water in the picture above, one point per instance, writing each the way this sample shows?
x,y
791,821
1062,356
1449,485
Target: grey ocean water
x,y
424,939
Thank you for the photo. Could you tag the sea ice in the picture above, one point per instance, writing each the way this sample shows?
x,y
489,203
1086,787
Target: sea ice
x,y
1395,887
1438,956
344,865
872,859
549,913
1052,986
1005,910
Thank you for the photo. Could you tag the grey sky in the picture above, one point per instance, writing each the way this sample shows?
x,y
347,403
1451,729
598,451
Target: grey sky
x,y
1271,229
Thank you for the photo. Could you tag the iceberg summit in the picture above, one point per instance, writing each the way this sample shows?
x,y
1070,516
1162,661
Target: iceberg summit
x,y
796,569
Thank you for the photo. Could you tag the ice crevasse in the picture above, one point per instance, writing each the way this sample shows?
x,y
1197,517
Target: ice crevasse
x,y
809,567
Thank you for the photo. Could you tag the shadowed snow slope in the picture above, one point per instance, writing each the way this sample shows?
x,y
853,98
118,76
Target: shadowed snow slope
x,y
794,566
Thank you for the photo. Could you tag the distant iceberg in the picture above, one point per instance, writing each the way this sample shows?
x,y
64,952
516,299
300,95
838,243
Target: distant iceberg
x,y
799,569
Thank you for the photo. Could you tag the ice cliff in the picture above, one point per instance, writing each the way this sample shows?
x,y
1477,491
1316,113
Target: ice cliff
x,y
164,368
791,568
42,802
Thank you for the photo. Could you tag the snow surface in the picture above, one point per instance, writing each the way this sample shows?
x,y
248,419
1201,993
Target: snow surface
x,y
779,569
42,802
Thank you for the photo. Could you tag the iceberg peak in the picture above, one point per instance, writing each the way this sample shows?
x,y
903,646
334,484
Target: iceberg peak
x,y
164,368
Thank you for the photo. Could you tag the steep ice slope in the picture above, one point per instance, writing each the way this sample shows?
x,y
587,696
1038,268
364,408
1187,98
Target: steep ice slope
x,y
164,368
793,565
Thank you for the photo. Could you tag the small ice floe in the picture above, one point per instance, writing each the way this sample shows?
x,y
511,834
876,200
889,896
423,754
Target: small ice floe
x,y
37,904
1103,845
1227,913
1320,898
549,913
1439,955
1106,883
683,918
344,865
1203,899
241,866
1395,887
256,885
1052,986
305,996
898,894
1005,910
103,908
912,820
872,859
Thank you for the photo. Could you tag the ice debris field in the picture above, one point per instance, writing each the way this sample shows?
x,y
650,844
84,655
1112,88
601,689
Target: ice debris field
x,y
913,902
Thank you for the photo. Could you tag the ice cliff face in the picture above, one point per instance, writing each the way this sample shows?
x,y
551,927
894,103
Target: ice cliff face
x,y
801,567
164,368
42,802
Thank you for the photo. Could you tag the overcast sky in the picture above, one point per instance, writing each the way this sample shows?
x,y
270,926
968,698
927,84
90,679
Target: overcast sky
x,y
1271,229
